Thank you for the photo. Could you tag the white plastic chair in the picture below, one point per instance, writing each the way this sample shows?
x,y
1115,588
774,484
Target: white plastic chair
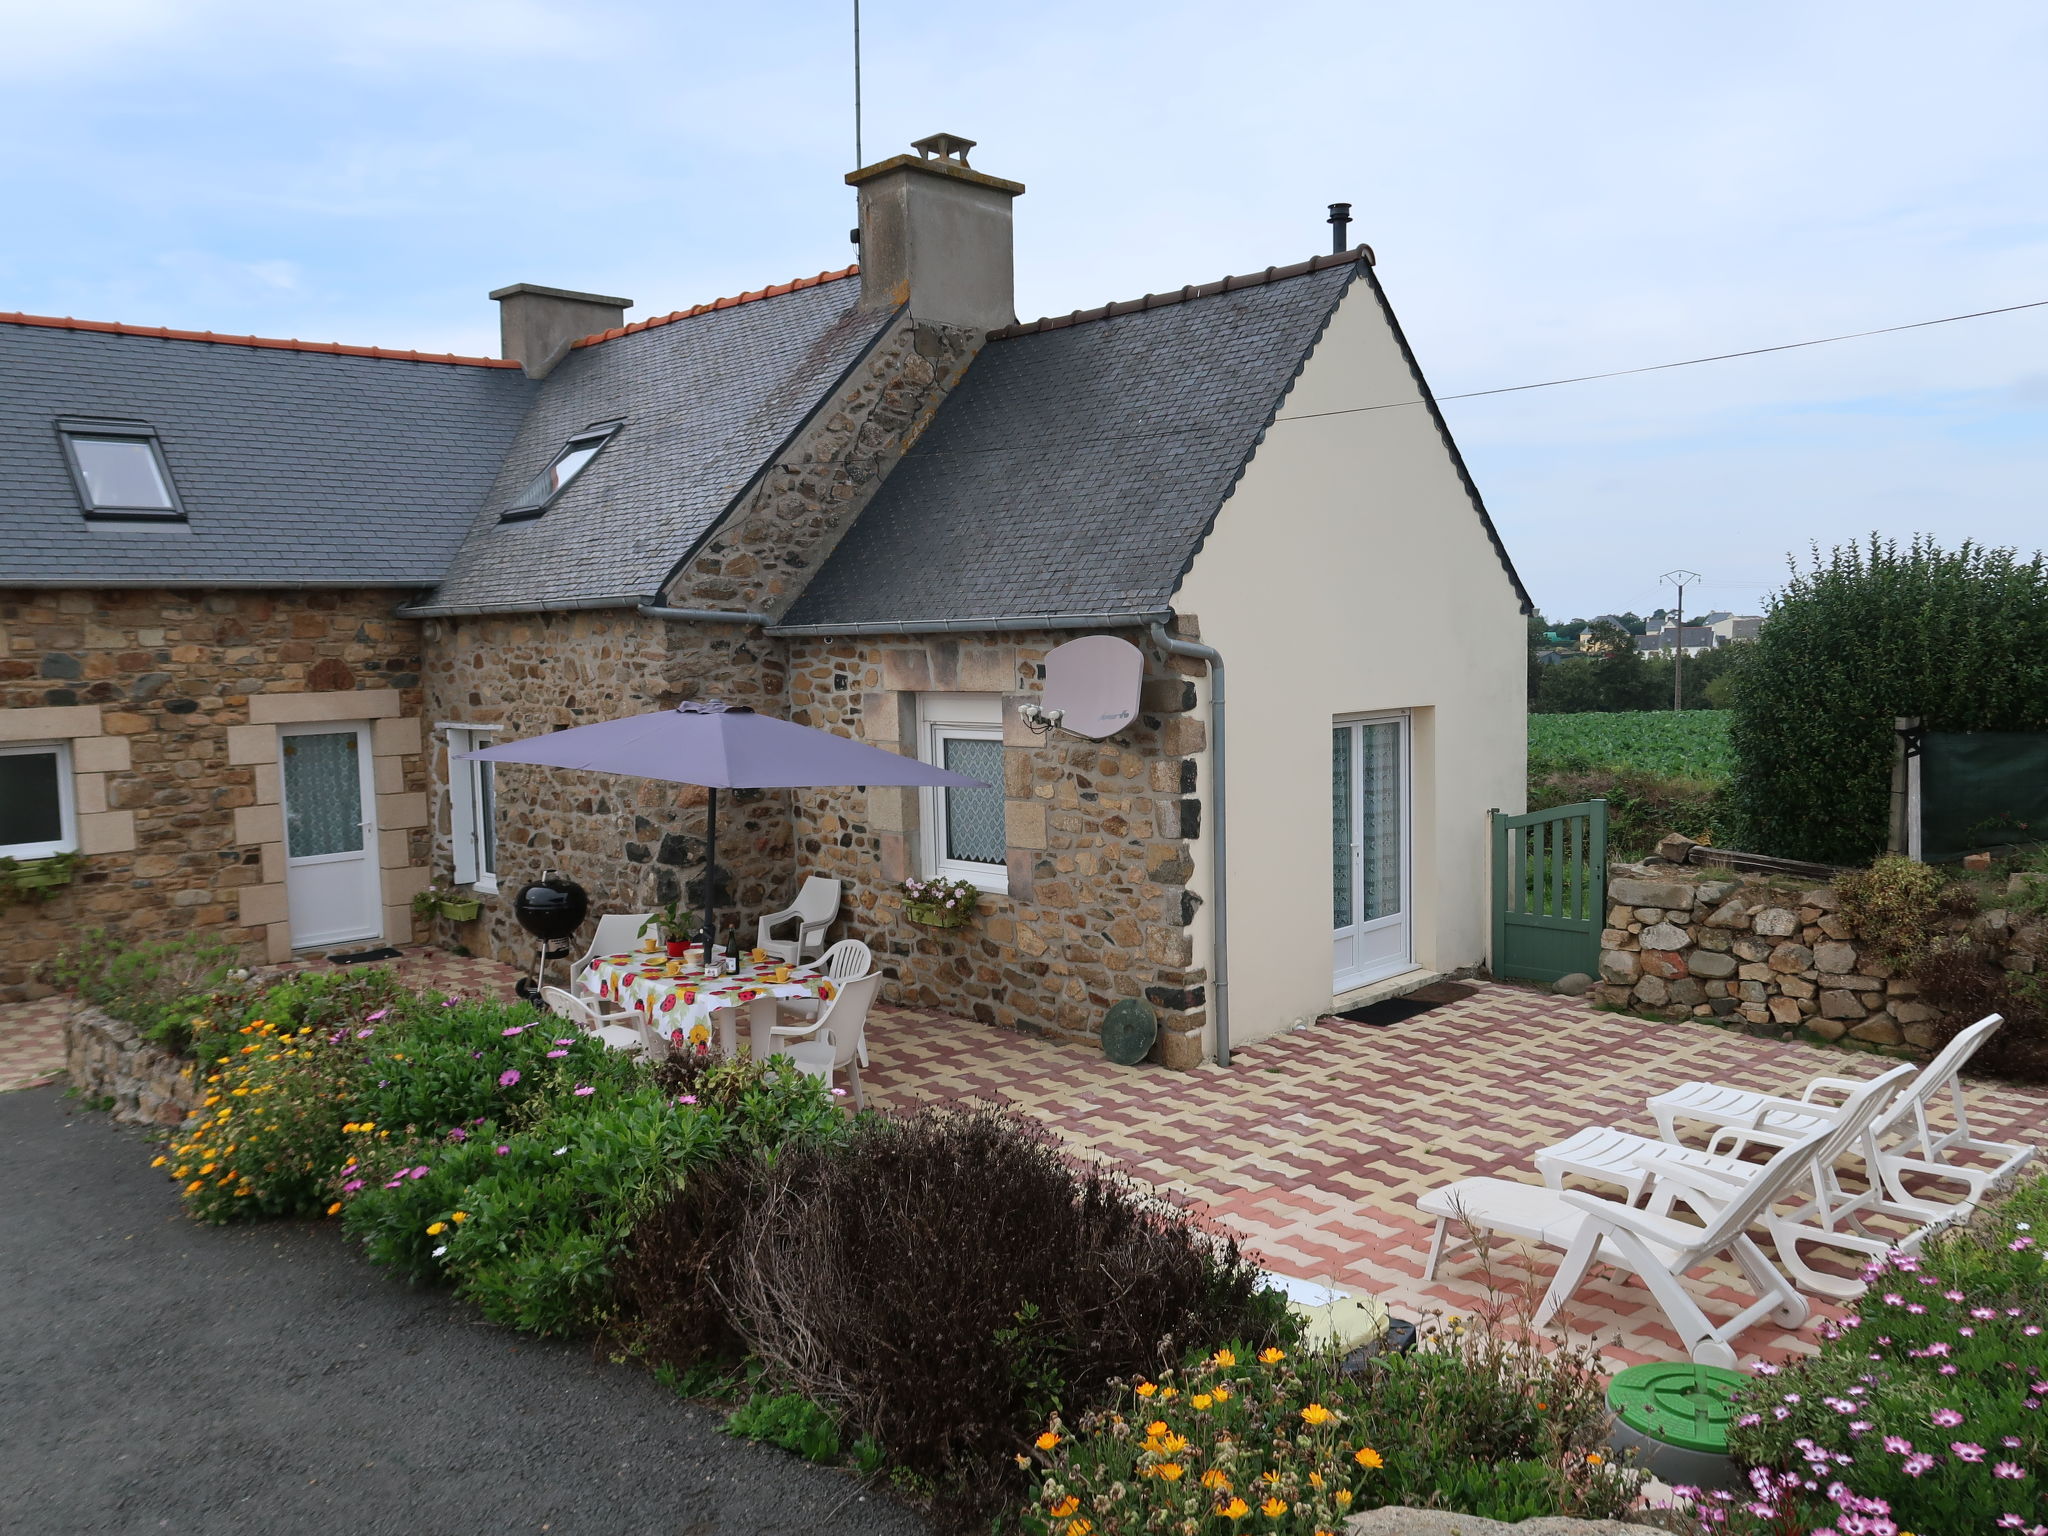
x,y
834,1041
816,905
618,933
848,960
1830,1215
1592,1229
586,1016
1902,1148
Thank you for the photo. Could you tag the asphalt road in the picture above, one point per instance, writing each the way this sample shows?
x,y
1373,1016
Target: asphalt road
x,y
157,1375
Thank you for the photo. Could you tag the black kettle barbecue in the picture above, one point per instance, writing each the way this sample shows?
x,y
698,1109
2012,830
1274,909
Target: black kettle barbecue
x,y
551,908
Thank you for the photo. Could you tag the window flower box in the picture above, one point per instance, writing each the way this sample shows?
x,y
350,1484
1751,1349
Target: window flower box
x,y
461,909
35,879
939,903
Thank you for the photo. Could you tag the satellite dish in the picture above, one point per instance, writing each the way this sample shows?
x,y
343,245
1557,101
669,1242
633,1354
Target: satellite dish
x,y
1091,685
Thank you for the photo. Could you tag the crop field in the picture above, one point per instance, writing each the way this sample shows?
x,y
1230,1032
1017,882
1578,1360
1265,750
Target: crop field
x,y
1676,744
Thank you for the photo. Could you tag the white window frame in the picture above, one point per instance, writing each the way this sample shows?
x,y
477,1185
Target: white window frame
x,y
943,716
67,801
465,804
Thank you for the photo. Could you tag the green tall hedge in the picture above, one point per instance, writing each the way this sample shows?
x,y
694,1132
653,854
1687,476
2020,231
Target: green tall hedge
x,y
1870,633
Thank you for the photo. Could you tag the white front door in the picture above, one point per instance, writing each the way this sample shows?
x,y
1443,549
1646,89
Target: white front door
x,y
330,834
1369,851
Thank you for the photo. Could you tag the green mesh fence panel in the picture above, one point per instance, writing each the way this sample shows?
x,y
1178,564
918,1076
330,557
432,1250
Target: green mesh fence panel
x,y
1982,789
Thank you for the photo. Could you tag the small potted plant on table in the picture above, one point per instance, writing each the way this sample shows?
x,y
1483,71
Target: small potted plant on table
x,y
676,922
940,903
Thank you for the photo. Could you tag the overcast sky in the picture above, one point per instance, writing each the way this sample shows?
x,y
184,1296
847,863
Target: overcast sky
x,y
1551,190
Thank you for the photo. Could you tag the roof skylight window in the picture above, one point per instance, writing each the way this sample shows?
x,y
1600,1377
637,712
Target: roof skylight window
x,y
119,469
560,473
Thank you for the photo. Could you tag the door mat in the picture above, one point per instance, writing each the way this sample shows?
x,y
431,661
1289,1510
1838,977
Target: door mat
x,y
1394,1009
357,957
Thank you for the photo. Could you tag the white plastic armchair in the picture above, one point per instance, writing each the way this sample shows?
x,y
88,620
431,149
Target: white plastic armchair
x,y
620,1031
618,933
848,960
816,905
835,1041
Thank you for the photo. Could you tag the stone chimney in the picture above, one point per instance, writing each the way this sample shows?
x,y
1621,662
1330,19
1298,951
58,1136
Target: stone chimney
x,y
935,231
536,324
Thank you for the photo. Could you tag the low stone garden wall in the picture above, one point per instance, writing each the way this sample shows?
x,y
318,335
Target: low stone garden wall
x,y
1778,960
108,1059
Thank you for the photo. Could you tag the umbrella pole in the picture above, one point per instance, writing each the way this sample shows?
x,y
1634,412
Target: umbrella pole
x,y
710,877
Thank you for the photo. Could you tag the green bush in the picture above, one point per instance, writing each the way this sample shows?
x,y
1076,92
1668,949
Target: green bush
x,y
1897,906
1471,1421
1869,634
159,986
1924,1408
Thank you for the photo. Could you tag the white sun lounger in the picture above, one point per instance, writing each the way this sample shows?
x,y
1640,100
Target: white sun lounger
x,y
1657,1247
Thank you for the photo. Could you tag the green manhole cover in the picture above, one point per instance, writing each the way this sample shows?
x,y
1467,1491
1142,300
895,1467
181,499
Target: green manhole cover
x,y
1128,1030
1689,1406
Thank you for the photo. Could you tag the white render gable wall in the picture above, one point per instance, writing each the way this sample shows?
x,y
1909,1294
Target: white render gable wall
x,y
1350,574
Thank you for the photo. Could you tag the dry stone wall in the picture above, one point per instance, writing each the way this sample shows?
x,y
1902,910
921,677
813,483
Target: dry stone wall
x,y
150,688
1775,959
106,1058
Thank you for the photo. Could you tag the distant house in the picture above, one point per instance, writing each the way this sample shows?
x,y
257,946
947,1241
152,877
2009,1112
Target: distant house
x,y
258,597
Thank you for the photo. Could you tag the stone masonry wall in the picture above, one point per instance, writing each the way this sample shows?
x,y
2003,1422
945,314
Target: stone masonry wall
x,y
156,691
1778,960
106,1058
761,556
1103,840
633,843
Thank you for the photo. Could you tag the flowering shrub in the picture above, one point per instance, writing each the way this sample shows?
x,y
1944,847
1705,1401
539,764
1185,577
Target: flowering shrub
x,y
1923,1410
527,1215
1277,1442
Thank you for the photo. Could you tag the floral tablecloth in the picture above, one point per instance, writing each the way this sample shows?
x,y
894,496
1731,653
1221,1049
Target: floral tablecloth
x,y
682,1003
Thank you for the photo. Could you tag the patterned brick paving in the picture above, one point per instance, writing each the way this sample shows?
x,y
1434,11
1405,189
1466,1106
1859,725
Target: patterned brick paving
x,y
1312,1146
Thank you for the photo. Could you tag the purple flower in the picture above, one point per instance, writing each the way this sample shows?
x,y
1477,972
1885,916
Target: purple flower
x,y
502,1151
1953,1295
364,1034
1916,1464
508,1077
1891,1298
1748,1419
458,1134
584,1090
2009,1469
2011,1442
556,1055
1947,1418
571,1040
371,1018
516,1029
417,1173
688,1098
351,1186
1968,1450
1982,1313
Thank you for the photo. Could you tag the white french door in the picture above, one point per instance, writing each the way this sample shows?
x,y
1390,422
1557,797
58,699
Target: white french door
x,y
332,886
1372,933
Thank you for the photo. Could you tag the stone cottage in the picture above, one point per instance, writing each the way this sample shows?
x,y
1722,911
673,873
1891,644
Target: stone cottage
x,y
260,596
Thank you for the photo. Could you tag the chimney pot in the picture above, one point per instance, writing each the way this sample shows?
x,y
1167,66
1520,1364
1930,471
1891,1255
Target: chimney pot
x,y
536,324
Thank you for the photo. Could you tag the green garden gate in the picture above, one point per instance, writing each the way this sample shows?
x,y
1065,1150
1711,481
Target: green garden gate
x,y
1549,891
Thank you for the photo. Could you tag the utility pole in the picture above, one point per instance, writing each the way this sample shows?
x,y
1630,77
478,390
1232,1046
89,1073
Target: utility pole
x,y
1680,580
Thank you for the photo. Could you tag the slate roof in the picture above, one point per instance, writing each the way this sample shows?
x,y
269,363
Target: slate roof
x,y
297,463
706,404
1076,468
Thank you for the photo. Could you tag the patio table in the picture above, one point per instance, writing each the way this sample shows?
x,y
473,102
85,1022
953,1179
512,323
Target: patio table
x,y
672,1003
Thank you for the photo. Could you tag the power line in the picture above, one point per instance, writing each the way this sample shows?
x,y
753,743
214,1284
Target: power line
x,y
1690,362
1505,389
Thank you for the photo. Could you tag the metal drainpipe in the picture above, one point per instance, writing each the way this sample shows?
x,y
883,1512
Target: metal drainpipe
x,y
1218,868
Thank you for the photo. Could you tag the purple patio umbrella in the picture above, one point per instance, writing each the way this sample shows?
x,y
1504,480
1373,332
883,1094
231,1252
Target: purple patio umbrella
x,y
722,746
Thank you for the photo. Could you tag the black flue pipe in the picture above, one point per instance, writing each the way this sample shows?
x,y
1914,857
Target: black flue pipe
x,y
1340,227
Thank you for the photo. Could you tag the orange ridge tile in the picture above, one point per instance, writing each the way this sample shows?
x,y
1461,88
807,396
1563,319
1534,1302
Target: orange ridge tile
x,y
773,290
165,333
